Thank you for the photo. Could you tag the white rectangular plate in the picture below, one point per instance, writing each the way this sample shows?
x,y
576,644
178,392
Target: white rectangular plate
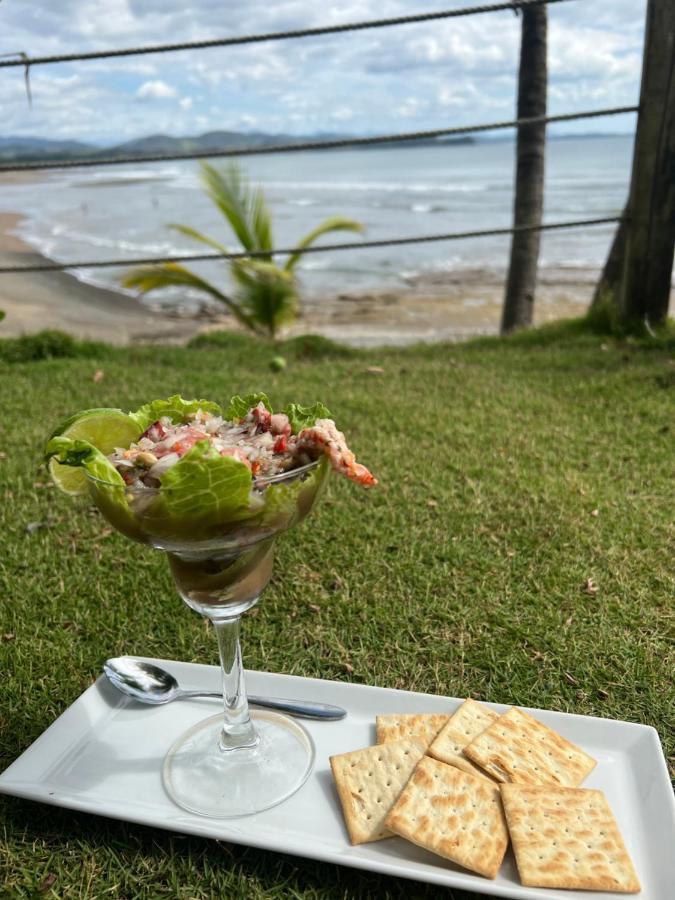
x,y
104,755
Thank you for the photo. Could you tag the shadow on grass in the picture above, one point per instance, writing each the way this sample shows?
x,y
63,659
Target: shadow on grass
x,y
120,846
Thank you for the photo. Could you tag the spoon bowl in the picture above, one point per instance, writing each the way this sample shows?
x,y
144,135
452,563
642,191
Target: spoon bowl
x,y
153,685
143,681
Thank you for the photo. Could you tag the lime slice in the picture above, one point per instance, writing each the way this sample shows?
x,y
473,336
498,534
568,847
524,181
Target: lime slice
x,y
105,429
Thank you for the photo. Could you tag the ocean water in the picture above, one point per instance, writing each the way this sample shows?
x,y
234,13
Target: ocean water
x,y
124,211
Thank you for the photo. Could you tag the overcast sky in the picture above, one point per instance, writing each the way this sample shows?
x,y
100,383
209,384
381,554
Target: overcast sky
x,y
404,78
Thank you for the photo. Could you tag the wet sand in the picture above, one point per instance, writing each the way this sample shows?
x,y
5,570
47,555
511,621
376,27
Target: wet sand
x,y
449,307
39,300
452,306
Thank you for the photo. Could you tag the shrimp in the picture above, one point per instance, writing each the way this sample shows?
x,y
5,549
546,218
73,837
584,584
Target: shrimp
x,y
261,416
324,437
237,454
280,424
155,432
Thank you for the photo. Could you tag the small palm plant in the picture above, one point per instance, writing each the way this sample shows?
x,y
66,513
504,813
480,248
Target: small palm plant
x,y
265,294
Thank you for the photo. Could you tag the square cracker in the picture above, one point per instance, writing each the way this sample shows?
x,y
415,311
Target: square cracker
x,y
567,838
368,782
453,814
518,748
462,727
396,727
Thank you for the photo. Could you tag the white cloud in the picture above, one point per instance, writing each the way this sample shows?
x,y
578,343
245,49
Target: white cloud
x,y
581,52
448,97
411,107
342,114
156,90
450,72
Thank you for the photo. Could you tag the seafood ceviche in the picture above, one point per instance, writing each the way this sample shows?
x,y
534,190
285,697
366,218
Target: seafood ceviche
x,y
196,452
182,472
263,441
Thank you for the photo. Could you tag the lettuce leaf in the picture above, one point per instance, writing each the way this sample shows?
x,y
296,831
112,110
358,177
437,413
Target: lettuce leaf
x,y
175,408
69,452
239,406
206,486
303,416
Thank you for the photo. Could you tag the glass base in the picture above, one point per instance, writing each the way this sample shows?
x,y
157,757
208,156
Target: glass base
x,y
206,780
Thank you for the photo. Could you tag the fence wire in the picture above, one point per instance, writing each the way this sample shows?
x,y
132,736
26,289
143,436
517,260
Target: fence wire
x,y
514,5
322,248
26,62
298,146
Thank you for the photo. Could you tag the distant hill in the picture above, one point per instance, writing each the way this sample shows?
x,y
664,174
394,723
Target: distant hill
x,y
211,140
25,149
35,148
218,140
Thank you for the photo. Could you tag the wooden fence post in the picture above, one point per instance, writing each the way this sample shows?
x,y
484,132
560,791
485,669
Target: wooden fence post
x,y
643,293
528,204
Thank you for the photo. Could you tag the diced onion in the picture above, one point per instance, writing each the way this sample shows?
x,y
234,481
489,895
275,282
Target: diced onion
x,y
163,464
212,425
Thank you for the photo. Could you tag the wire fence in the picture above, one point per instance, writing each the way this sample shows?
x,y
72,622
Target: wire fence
x,y
322,248
238,40
25,61
298,146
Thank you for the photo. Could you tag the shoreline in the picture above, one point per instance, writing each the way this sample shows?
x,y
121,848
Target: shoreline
x,y
445,306
453,306
58,300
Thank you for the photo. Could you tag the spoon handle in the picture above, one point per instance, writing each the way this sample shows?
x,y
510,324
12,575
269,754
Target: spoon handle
x,y
301,708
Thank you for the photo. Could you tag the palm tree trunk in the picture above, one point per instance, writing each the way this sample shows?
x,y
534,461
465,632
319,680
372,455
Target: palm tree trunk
x,y
607,287
650,241
530,153
636,283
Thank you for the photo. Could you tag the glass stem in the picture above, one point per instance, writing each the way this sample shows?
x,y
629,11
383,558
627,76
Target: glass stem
x,y
238,730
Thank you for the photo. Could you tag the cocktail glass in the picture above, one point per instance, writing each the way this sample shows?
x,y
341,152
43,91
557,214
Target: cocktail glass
x,y
239,762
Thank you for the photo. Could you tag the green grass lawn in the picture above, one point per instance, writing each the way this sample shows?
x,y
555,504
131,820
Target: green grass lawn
x,y
519,549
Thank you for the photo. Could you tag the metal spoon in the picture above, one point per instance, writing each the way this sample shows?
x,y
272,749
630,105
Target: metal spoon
x,y
150,684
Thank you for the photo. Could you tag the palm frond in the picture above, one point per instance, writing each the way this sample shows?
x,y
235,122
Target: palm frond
x,y
230,195
199,236
151,278
266,292
335,223
242,204
261,222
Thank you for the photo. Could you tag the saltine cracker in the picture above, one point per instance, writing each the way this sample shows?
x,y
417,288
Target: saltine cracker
x,y
470,719
368,782
567,838
396,727
453,814
517,748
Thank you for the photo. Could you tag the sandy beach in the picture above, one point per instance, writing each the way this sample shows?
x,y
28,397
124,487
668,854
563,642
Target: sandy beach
x,y
445,306
449,307
38,300
450,294
452,307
